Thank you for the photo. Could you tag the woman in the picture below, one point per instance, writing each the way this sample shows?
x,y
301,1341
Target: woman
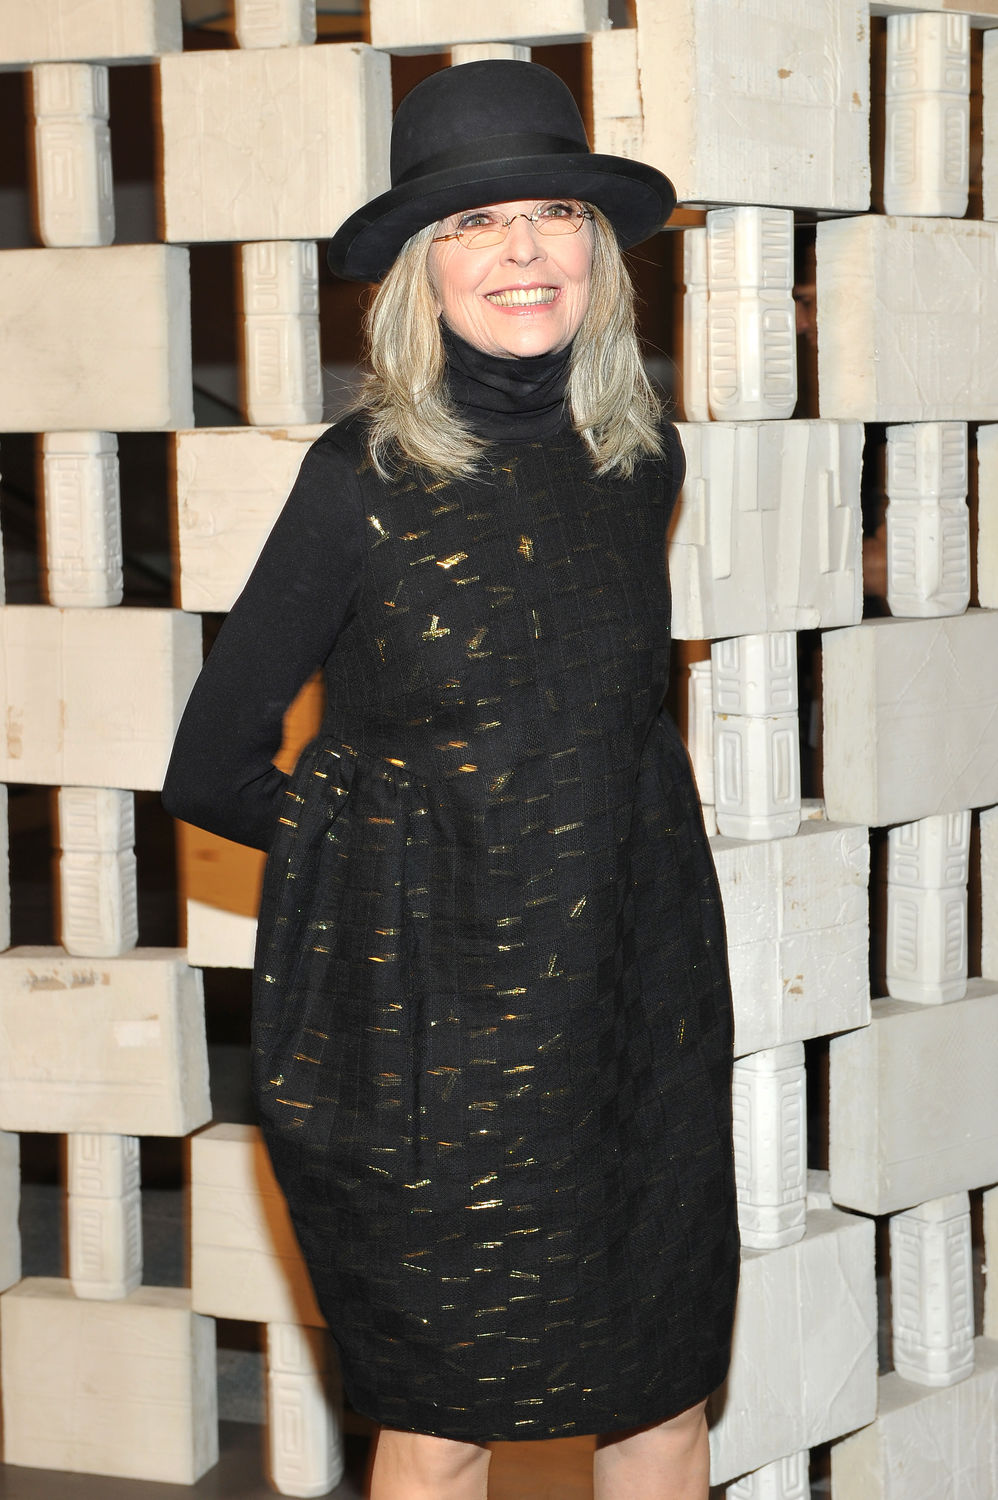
x,y
492,1031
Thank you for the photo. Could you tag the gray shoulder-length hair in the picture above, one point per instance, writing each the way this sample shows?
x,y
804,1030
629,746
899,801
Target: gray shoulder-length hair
x,y
613,406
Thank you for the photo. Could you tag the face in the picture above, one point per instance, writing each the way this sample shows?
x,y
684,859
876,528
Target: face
x,y
473,287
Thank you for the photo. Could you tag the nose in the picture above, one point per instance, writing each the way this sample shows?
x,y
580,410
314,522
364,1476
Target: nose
x,y
523,242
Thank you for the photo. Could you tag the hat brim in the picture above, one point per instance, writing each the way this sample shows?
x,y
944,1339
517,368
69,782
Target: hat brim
x,y
636,198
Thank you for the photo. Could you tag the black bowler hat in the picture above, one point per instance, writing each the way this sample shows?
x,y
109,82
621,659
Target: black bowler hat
x,y
493,131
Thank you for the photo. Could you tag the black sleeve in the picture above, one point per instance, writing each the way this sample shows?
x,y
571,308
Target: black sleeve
x,y
282,627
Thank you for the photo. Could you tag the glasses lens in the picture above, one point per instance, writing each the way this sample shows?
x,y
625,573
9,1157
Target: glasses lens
x,y
481,227
560,216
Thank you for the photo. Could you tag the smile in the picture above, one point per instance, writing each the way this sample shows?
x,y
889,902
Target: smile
x,y
522,296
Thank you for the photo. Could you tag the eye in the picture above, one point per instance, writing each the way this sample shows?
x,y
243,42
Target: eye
x,y
559,209
478,218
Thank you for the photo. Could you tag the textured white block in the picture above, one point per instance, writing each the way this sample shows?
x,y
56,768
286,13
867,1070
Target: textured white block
x,y
74,191
913,1104
990,1207
756,747
760,103
4,871
105,1216
769,532
926,1444
98,339
431,25
908,319
482,51
755,675
989,894
282,369
618,127
245,1260
910,718
804,1363
109,1048
987,515
751,321
304,1411
10,1202
118,30
231,484
818,1190
769,1106
700,732
927,909
275,23
696,392
219,939
97,873
989,116
83,550
786,1479
94,696
797,919
932,1292
248,138
928,523
927,128
124,1388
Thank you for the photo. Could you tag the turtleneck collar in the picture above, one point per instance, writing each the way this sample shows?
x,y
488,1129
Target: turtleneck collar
x,y
506,398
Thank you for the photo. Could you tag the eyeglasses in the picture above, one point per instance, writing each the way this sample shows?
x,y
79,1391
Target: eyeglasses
x,y
481,227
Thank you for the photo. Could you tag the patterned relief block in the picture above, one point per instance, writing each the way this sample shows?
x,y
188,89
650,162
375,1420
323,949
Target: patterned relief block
x,y
990,1206
932,1292
431,25
987,516
98,893
769,533
786,1479
797,919
913,1104
756,744
770,1141
105,1216
304,1411
989,893
700,728
94,695
804,1363
98,339
926,1444
282,366
122,1388
74,192
766,103
115,30
696,299
112,1047
248,139
275,23
928,523
927,872
989,117
926,155
751,338
908,312
910,718
83,549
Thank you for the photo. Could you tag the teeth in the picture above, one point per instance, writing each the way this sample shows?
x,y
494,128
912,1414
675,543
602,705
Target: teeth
x,y
522,296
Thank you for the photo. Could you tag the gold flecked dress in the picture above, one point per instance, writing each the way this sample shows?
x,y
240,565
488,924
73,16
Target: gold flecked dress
x,y
492,1031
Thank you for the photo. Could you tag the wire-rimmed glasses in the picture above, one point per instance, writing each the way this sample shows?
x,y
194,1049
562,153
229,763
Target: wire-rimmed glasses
x,y
481,227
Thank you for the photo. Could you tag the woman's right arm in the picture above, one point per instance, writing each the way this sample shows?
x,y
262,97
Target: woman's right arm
x,y
282,627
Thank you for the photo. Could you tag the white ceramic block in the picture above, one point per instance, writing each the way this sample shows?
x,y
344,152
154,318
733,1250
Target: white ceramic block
x,y
97,873
770,1139
755,675
105,1216
751,322
10,1202
115,30
700,732
304,1411
932,854
231,484
248,138
219,939
987,514
908,319
926,1444
927,127
786,1479
618,128
756,746
280,293
990,1206
765,103
83,552
797,919
275,23
819,1193
768,534
927,909
804,1363
695,367
124,1388
74,191
431,25
910,718
928,523
932,1292
245,1260
4,871
913,1104
989,115
112,1047
98,339
94,696
989,894
481,51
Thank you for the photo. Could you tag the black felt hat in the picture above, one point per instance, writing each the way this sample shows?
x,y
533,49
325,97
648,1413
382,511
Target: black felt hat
x,y
493,131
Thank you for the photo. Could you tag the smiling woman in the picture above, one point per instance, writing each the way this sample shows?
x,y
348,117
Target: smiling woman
x,y
492,1024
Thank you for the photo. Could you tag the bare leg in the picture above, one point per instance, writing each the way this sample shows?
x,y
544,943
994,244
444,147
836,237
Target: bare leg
x,y
415,1466
669,1461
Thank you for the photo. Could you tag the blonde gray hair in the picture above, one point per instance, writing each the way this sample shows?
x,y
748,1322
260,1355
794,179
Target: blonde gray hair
x,y
612,404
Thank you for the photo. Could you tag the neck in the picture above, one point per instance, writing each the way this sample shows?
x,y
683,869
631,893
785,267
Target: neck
x,y
507,398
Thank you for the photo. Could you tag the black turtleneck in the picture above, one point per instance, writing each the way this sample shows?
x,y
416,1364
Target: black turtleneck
x,y
504,399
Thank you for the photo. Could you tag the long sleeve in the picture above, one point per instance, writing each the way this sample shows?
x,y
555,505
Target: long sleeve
x,y
282,627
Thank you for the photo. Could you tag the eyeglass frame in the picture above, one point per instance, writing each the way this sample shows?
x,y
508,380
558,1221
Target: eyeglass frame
x,y
584,214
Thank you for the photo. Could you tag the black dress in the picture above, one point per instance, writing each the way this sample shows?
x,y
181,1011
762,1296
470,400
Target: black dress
x,y
492,1025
